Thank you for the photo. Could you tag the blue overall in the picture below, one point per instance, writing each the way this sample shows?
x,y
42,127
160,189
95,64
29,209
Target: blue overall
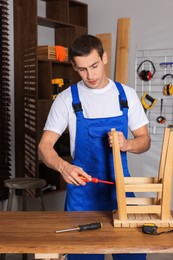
x,y
94,155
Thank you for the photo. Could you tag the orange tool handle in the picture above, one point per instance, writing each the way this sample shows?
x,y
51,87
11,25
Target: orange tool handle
x,y
95,180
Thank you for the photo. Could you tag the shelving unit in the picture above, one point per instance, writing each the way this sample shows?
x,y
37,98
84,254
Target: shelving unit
x,y
33,87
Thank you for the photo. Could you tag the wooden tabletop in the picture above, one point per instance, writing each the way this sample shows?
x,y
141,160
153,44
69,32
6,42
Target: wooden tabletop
x,y
34,232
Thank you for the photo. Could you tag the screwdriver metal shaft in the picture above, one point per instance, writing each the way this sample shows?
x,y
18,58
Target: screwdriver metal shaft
x,y
91,226
66,230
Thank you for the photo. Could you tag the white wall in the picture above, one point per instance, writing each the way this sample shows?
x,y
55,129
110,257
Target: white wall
x,y
151,24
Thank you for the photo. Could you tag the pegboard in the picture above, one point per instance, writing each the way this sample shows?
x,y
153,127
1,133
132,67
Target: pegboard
x,y
154,88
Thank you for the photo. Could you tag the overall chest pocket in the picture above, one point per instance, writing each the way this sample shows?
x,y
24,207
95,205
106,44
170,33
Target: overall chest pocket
x,y
102,131
99,144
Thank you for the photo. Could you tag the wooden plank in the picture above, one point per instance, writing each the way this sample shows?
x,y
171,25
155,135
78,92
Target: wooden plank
x,y
119,176
122,48
137,180
163,159
106,39
137,220
150,209
163,153
149,187
167,180
140,201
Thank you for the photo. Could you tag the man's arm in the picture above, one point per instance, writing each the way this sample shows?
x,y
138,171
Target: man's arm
x,y
51,159
139,144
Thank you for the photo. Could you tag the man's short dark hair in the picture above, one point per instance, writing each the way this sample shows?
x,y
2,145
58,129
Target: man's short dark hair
x,y
83,45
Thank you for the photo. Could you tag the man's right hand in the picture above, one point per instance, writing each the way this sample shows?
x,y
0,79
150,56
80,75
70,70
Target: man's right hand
x,y
72,174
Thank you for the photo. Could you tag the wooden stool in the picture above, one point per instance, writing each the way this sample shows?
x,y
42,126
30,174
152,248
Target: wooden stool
x,y
134,212
24,184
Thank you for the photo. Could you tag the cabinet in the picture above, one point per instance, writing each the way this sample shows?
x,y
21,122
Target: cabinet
x,y
33,89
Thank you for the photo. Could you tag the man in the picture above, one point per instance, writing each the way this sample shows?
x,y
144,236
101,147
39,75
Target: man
x,y
90,109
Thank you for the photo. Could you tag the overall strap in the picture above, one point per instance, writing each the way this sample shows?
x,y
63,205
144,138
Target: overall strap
x,y
122,98
77,106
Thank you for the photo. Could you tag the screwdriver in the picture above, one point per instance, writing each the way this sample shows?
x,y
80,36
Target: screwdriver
x,y
95,180
91,226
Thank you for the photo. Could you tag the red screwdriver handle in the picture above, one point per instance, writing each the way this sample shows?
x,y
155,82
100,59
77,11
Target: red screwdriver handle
x,y
95,180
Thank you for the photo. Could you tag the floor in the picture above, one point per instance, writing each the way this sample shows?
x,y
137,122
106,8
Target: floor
x,y
108,257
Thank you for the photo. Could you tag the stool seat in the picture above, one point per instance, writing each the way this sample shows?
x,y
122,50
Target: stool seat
x,y
24,184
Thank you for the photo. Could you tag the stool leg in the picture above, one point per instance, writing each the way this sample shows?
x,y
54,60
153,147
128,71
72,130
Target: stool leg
x,y
24,200
10,199
40,196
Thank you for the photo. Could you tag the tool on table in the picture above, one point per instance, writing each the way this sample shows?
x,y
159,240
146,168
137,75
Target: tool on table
x,y
151,229
160,118
149,98
95,180
91,226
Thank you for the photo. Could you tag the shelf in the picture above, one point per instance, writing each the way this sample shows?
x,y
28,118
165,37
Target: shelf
x,y
42,21
64,20
66,63
78,13
52,23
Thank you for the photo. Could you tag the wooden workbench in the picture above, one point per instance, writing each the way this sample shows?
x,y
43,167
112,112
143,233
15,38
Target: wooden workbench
x,y
34,232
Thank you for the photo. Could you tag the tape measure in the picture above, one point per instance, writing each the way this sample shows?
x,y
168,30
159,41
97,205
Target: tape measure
x,y
151,229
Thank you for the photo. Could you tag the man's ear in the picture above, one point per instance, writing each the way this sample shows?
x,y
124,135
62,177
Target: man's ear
x,y
105,58
73,65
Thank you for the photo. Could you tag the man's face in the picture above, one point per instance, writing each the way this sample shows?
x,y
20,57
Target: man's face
x,y
91,69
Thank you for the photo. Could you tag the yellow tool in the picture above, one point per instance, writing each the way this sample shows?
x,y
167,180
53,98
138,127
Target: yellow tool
x,y
57,83
149,98
168,90
151,229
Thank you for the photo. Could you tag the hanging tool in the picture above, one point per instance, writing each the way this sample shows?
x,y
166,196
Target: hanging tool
x,y
160,118
57,84
146,75
95,180
149,98
166,64
91,226
168,88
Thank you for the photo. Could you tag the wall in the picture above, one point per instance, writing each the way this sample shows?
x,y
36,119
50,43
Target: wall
x,y
151,28
151,24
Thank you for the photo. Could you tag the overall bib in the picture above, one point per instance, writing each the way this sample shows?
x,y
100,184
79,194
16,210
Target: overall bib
x,y
94,155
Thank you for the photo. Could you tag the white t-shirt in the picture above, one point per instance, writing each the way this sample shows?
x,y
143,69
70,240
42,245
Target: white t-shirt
x,y
96,103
